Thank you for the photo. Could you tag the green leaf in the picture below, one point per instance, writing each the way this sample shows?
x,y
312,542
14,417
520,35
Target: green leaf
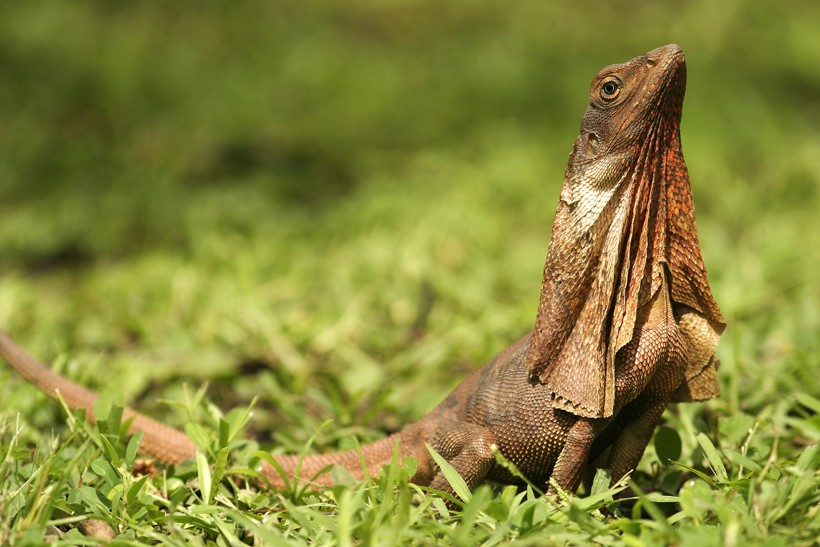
x,y
601,492
713,457
809,402
601,481
227,531
112,421
806,478
132,449
238,418
268,457
104,470
456,481
733,429
696,498
199,435
94,499
102,408
110,450
668,444
134,490
219,471
741,461
204,475
654,511
513,469
224,433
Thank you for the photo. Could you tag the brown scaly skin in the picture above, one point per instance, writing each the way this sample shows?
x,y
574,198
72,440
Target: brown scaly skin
x,y
627,323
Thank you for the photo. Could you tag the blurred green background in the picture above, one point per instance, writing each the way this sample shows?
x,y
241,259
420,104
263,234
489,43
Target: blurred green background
x,y
357,195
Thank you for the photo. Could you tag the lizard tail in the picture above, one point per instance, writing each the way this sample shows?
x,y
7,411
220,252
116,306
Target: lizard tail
x,y
166,444
363,462
171,446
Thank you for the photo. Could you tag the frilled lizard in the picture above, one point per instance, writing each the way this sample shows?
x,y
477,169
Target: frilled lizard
x,y
626,323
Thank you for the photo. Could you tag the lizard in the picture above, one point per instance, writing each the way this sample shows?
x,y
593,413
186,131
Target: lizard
x,y
626,322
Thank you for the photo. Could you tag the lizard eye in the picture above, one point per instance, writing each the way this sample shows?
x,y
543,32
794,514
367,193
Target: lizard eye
x,y
610,89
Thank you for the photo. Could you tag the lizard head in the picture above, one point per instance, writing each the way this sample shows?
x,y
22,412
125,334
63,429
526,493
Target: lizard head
x,y
627,102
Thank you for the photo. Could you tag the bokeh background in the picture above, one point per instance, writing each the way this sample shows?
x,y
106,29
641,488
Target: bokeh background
x,y
342,206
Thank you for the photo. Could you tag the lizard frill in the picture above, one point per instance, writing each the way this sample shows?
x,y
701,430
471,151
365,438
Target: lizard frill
x,y
624,229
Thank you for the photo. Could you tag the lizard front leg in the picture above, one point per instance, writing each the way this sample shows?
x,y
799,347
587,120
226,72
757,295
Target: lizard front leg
x,y
468,448
630,444
648,371
574,455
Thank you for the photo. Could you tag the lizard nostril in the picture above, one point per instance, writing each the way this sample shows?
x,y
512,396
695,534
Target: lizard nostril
x,y
651,62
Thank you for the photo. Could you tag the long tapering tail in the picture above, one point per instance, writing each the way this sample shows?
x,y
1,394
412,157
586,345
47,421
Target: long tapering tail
x,y
165,443
172,446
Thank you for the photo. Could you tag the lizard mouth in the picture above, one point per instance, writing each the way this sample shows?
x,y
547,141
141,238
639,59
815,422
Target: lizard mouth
x,y
662,104
671,71
670,52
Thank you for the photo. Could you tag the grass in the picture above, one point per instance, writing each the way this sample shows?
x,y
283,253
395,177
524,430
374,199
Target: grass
x,y
337,213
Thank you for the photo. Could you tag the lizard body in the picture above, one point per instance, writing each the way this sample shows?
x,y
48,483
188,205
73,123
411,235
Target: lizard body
x,y
626,324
